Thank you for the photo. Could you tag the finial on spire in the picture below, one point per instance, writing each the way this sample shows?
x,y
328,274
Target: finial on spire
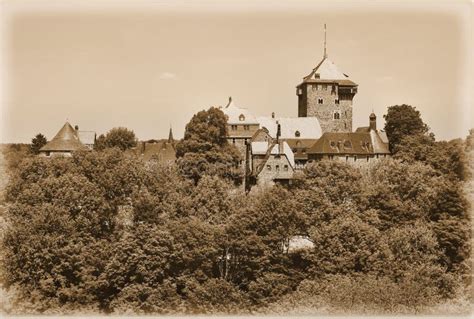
x,y
325,52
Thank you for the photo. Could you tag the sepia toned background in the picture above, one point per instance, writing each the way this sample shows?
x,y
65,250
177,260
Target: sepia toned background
x,y
148,65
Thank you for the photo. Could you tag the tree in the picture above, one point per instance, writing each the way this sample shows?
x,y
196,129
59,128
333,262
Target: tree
x,y
37,143
119,137
403,120
204,150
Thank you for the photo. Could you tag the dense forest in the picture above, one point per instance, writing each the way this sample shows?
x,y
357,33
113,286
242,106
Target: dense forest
x,y
104,231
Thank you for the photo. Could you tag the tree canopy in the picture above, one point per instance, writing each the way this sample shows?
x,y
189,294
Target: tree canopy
x,y
119,137
403,120
37,143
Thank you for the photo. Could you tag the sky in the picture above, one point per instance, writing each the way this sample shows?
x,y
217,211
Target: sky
x,y
149,65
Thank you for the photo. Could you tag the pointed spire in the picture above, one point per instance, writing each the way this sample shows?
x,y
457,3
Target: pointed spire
x,y
325,51
170,136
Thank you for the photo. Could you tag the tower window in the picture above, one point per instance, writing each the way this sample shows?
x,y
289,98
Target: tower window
x,y
233,127
314,87
320,101
337,116
233,141
336,101
285,168
277,167
325,87
246,127
297,133
241,117
316,76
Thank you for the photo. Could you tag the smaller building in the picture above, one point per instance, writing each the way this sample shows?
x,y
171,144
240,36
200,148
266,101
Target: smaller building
x,y
163,151
361,147
66,141
272,162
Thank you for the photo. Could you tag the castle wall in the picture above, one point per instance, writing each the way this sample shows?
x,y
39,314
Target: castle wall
x,y
325,111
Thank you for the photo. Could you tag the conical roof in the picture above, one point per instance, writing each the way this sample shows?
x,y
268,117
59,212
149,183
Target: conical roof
x,y
66,140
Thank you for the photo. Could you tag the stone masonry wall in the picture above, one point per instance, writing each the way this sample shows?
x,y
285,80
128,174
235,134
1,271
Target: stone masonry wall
x,y
308,105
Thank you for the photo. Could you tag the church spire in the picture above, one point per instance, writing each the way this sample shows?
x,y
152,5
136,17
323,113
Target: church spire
x,y
170,136
325,51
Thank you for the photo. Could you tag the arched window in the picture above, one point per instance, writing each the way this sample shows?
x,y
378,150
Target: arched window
x,y
241,117
297,133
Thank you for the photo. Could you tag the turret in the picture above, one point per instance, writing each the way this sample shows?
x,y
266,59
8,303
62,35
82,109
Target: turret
x,y
373,122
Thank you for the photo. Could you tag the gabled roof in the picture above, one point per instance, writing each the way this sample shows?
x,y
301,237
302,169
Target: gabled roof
x,y
238,115
284,149
66,140
326,70
307,127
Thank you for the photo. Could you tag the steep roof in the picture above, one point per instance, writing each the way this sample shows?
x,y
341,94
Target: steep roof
x,y
161,150
238,115
307,127
284,149
358,143
327,71
66,140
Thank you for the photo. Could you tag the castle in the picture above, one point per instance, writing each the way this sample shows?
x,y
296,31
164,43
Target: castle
x,y
273,147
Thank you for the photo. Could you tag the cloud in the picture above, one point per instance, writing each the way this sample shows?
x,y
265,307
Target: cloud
x,y
167,76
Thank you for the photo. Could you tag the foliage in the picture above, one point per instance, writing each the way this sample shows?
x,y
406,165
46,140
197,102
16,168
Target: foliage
x,y
403,120
104,231
204,150
119,137
37,143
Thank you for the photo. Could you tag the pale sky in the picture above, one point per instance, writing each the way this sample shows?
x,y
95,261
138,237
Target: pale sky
x,y
148,65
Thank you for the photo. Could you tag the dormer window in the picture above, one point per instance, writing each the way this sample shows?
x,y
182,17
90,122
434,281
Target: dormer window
x,y
241,117
297,134
347,144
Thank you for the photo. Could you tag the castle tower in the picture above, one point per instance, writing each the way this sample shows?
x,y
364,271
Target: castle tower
x,y
327,93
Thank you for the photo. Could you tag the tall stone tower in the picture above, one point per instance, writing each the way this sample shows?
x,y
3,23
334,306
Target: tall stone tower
x,y
327,93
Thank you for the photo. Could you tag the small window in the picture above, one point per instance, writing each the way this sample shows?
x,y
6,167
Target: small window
x,y
355,158
233,141
246,127
325,87
241,117
300,91
336,115
377,156
336,101
285,168
320,101
345,125
347,158
368,157
233,127
48,153
317,76
298,143
269,168
314,87
331,156
277,167
297,133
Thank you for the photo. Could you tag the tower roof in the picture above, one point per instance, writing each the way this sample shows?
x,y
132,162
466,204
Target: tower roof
x,y
238,115
326,70
65,140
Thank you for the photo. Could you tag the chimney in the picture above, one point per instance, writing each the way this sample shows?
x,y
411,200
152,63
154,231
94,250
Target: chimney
x,y
273,115
230,101
76,128
278,132
373,122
